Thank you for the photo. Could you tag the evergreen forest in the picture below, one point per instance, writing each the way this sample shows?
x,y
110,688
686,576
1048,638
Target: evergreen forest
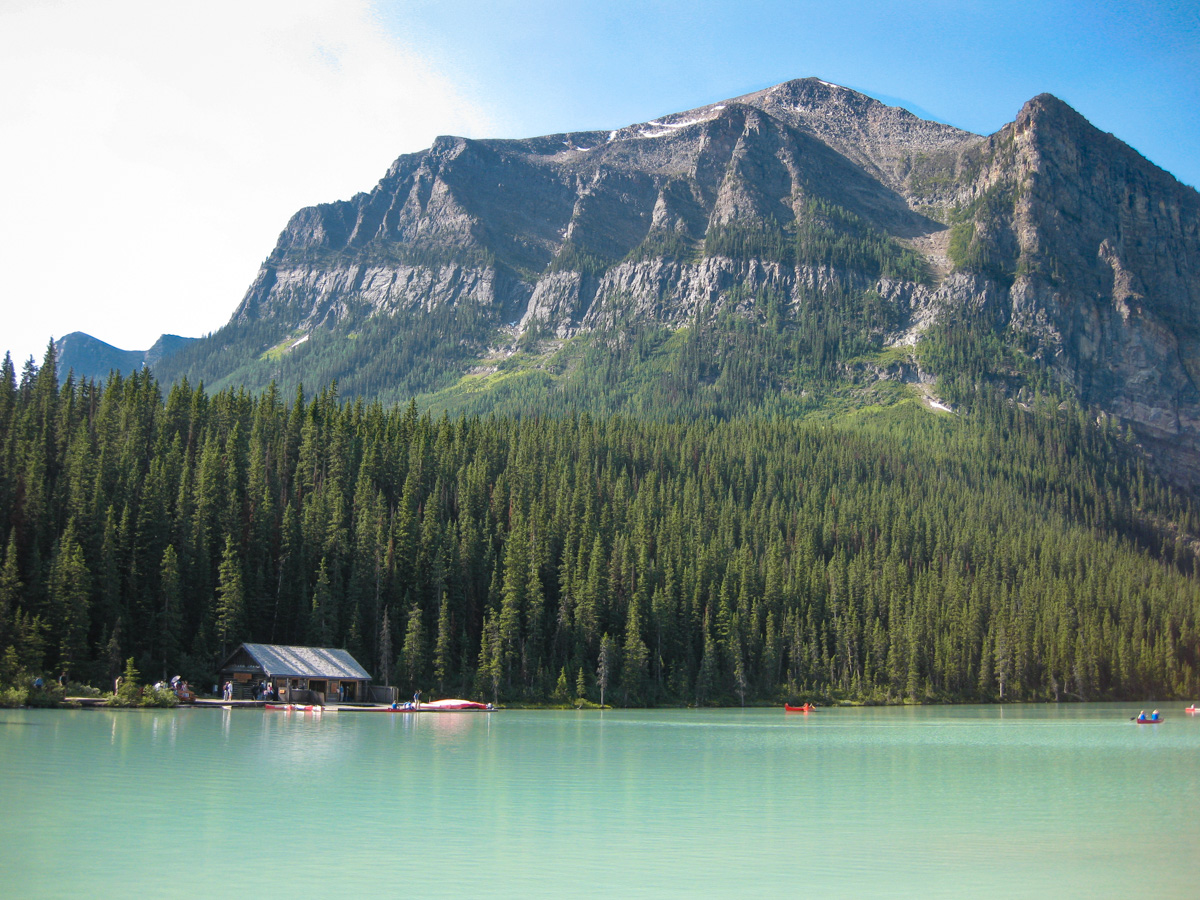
x,y
1012,551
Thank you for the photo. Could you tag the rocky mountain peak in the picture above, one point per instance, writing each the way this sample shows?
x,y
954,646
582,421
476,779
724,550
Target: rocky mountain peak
x,y
802,194
880,138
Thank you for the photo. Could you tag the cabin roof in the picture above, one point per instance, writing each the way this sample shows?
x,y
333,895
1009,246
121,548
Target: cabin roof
x,y
303,662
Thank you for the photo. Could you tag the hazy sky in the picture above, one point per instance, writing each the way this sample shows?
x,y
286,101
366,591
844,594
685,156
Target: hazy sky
x,y
152,151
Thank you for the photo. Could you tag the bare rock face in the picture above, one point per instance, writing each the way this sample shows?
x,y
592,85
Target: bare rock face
x,y
1101,249
1049,227
559,211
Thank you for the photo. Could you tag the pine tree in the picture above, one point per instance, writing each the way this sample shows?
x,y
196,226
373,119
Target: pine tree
x,y
319,626
10,586
706,678
170,612
634,659
231,599
412,654
384,665
69,595
491,667
442,662
513,598
605,664
128,691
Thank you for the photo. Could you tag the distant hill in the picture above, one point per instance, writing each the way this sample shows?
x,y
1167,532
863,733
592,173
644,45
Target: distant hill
x,y
89,357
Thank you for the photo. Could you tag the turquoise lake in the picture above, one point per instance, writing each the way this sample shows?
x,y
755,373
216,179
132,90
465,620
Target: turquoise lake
x,y
1030,801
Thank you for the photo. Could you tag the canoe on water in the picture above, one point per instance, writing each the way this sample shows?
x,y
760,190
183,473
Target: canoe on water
x,y
1192,709
449,706
453,704
1148,721
292,707
806,707
431,706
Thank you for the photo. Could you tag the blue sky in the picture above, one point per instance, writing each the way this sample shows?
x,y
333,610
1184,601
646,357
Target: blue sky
x,y
1131,68
154,151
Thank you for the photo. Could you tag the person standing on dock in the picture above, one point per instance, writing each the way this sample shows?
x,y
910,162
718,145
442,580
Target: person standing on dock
x,y
417,699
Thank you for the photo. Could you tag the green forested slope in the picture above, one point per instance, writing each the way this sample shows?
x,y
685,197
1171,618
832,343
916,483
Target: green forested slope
x,y
713,365
895,553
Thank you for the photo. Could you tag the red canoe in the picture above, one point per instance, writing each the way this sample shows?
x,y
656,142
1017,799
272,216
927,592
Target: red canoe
x,y
291,707
1148,721
449,705
431,706
807,707
1191,709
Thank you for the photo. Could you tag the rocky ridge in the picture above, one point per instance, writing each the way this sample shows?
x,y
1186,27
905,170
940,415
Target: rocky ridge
x,y
491,208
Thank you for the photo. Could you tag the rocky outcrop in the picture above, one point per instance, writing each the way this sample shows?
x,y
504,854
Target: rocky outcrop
x,y
556,229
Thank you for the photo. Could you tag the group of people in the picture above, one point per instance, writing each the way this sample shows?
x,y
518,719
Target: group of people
x,y
263,691
176,684
415,703
1153,717
40,684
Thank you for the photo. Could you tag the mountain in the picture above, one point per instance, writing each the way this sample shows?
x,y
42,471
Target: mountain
x,y
165,346
788,249
795,395
89,357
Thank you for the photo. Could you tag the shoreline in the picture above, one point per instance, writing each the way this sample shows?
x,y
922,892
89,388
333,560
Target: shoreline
x,y
71,703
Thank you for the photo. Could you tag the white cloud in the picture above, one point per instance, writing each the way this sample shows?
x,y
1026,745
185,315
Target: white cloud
x,y
153,151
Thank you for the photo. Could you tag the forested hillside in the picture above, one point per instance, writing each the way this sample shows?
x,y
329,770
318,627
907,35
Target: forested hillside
x,y
1017,551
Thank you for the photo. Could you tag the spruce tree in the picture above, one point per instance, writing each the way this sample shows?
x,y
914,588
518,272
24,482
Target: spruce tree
x,y
384,659
231,599
412,653
170,611
69,595
10,590
319,633
634,659
606,662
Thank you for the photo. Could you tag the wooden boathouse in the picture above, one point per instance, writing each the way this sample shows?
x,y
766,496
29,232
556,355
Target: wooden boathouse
x,y
303,674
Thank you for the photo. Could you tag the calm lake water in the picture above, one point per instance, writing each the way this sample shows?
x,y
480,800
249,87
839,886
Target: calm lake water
x,y
1045,801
